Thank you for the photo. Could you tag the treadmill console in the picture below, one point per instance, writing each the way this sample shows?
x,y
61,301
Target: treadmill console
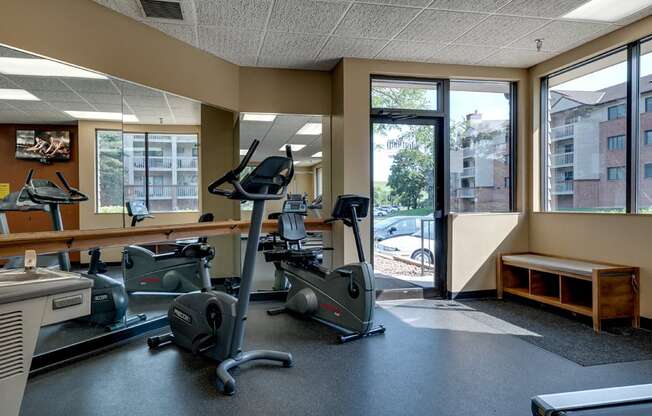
x,y
295,204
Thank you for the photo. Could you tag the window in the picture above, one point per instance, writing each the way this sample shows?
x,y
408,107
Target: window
x,y
616,142
319,181
109,171
404,94
158,168
578,154
480,149
616,174
647,138
616,112
644,188
648,170
648,105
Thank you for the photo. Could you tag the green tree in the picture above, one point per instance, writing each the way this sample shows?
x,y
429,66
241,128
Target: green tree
x,y
111,176
408,178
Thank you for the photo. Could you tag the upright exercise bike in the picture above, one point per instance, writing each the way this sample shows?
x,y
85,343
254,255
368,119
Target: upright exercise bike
x,y
211,322
343,298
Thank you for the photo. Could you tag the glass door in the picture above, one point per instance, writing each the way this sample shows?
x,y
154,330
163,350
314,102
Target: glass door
x,y
404,160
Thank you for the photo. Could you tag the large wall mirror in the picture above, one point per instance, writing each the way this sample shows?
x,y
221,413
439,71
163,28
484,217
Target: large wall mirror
x,y
308,137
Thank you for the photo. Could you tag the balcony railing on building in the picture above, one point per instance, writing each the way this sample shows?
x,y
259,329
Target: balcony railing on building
x,y
562,132
466,192
468,172
165,162
562,159
562,188
161,192
468,152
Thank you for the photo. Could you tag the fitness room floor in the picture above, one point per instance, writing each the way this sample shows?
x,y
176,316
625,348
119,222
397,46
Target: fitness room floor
x,y
437,357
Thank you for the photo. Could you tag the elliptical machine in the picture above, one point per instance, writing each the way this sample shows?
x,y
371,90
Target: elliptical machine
x,y
211,322
343,298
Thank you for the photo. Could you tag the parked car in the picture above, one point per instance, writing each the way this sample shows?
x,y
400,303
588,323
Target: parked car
x,y
396,226
379,213
409,246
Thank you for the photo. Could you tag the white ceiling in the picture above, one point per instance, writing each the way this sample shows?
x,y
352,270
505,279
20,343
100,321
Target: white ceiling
x,y
275,134
82,94
315,34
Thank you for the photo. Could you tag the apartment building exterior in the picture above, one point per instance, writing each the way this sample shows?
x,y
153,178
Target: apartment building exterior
x,y
586,148
480,167
172,166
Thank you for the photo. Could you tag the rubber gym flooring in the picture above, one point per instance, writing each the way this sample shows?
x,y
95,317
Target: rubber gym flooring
x,y
434,359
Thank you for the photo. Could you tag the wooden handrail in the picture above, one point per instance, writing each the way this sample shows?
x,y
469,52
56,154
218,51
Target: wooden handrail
x,y
76,240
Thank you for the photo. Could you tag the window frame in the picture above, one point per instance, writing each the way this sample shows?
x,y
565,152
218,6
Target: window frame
x,y
632,116
619,140
146,156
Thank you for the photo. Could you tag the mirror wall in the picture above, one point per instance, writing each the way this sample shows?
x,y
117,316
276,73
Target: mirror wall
x,y
310,150
138,152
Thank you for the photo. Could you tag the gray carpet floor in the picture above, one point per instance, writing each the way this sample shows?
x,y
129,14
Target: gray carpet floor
x,y
567,336
433,360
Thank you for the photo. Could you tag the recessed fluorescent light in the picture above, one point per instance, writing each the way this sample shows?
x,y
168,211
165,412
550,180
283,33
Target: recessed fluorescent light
x,y
43,68
100,115
258,117
318,154
296,162
311,129
294,147
607,10
243,152
16,94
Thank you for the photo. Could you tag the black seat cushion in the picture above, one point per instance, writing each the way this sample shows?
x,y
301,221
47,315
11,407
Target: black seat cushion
x,y
291,227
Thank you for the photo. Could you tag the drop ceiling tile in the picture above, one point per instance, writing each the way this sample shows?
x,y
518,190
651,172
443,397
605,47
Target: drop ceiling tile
x,y
374,21
146,101
301,48
38,83
288,62
440,26
61,96
130,8
238,46
11,53
561,35
5,83
337,48
31,106
517,58
101,86
306,16
71,105
95,98
109,107
541,8
636,16
461,54
413,3
185,33
399,50
497,31
241,14
488,6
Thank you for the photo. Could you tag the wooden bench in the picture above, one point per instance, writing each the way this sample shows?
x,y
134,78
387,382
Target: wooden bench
x,y
598,290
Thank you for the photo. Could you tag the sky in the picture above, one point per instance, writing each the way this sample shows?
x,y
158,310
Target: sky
x,y
612,75
493,106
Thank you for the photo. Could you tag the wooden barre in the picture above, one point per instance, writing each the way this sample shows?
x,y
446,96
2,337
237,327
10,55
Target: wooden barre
x,y
77,240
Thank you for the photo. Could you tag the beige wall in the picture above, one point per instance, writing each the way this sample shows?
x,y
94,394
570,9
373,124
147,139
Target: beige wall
x,y
285,91
351,165
614,238
88,218
219,153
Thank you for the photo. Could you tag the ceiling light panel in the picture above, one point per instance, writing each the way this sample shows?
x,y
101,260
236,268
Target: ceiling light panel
x,y
43,68
318,154
243,152
99,115
294,147
17,95
607,10
310,129
258,117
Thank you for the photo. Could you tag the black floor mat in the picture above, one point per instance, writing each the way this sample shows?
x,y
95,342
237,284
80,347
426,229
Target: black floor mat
x,y
567,336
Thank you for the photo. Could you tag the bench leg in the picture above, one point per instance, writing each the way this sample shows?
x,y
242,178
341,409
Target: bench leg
x,y
597,323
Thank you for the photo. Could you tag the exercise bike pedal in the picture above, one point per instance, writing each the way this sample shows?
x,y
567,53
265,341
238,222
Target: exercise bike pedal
x,y
159,340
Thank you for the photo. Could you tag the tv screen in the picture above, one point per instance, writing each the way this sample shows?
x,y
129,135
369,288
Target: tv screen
x,y
43,145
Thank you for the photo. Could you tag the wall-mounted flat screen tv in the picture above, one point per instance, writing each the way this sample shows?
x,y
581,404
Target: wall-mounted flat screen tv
x,y
43,145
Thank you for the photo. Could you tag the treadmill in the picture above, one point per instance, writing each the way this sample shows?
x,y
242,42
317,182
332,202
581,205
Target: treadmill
x,y
615,401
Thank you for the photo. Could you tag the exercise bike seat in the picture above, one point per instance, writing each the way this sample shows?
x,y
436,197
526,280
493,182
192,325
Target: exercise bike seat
x,y
291,227
198,251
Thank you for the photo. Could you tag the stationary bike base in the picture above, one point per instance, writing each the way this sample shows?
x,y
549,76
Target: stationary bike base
x,y
126,322
228,382
352,337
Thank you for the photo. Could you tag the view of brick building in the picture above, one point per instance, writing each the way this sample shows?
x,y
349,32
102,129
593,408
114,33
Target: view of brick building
x,y
587,148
